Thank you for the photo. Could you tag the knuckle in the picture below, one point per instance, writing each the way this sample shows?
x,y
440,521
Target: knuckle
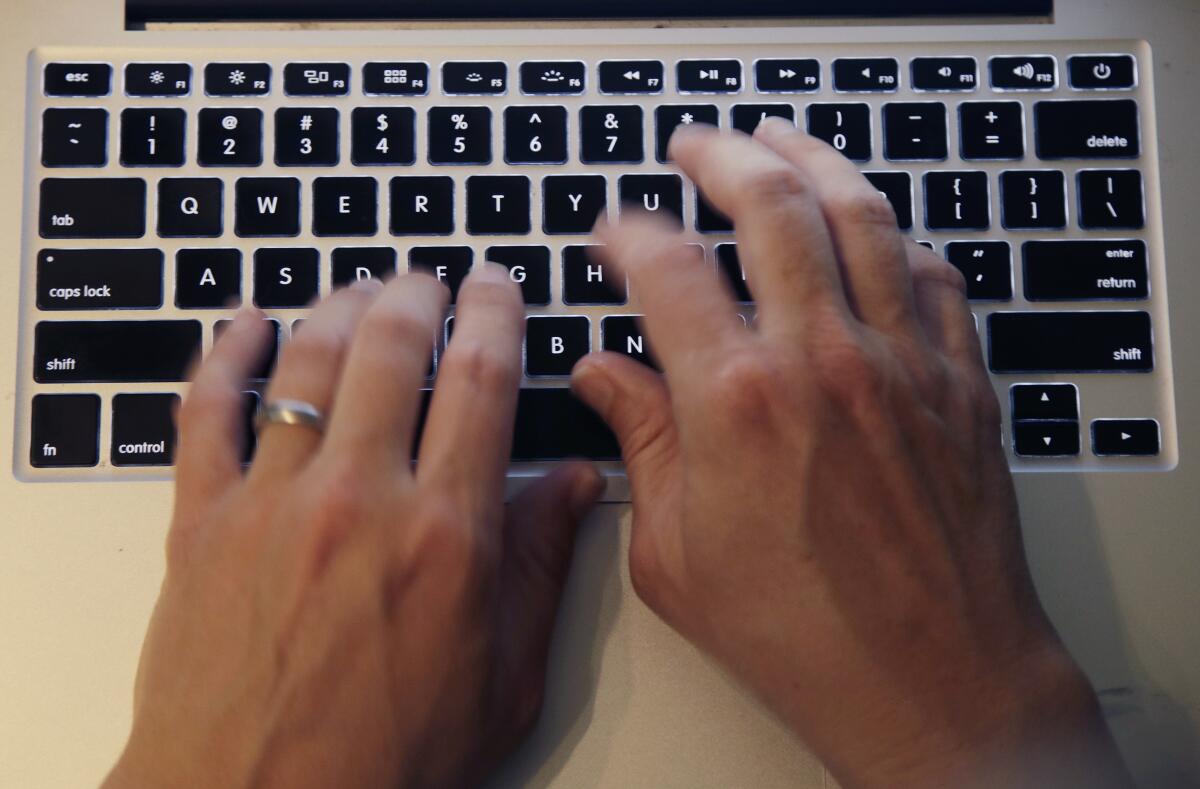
x,y
865,208
746,383
936,271
846,372
489,368
442,537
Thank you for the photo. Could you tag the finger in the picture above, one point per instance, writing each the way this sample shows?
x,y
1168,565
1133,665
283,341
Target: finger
x,y
375,409
942,308
862,224
468,435
783,242
212,418
308,371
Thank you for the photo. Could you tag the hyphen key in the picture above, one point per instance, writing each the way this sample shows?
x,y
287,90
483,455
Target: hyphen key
x,y
1084,342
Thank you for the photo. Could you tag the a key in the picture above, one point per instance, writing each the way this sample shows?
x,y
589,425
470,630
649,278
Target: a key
x,y
897,187
847,127
1125,437
866,75
237,79
1102,72
587,281
669,117
316,79
631,77
709,219
208,279
915,131
286,278
945,74
957,201
1059,342
571,203
553,77
611,135
99,279
553,344
306,137
1034,199
529,267
1094,129
74,138
267,207
66,352
1046,439
730,265
230,138
460,135
551,424
405,78
986,266
158,80
65,431
535,135
474,78
345,207
1111,200
77,79
708,76
265,367
153,138
143,429
1086,270
422,205
190,207
623,334
383,136
92,208
746,117
1044,401
789,75
355,264
498,205
657,194
450,265
1023,72
992,129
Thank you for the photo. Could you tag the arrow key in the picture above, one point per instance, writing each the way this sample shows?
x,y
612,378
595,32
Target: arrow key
x,y
1046,439
1045,401
74,138
1130,437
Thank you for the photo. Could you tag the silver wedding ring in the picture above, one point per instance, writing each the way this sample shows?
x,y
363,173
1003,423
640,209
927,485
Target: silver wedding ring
x,y
289,412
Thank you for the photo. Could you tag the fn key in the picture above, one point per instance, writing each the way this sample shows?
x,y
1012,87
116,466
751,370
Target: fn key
x,y
66,431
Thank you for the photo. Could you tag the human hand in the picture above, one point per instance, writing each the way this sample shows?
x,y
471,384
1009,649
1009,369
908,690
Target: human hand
x,y
821,500
335,617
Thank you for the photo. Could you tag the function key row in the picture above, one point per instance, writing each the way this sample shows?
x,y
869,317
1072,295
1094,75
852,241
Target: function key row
x,y
616,77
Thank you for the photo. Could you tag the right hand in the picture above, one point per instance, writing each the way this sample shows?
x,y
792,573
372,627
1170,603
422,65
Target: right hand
x,y
821,501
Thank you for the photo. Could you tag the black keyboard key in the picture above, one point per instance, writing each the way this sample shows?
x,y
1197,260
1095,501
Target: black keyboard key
x,y
113,351
190,207
611,135
553,77
316,79
449,265
1046,439
790,75
1111,200
670,117
230,138
553,344
475,78
957,201
1058,342
208,279
422,205
345,207
708,218
1023,72
158,80
551,424
77,79
1097,129
535,135
1034,199
587,281
746,117
143,429
915,132
631,77
571,203
237,79
623,334
460,135
266,364
153,138
355,264
267,207
1102,72
74,138
529,267
942,75
1083,270
986,266
250,405
708,76
658,194
383,135
897,187
92,208
396,79
731,266
306,137
99,279
286,278
866,75
1045,401
992,129
66,431
1125,437
847,127
498,205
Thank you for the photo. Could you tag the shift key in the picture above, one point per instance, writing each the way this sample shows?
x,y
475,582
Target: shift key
x,y
92,208
113,351
1061,342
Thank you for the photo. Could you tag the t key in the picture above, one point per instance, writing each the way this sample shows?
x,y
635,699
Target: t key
x,y
153,138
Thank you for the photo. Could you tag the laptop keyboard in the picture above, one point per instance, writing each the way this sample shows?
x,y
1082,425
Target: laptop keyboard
x,y
165,188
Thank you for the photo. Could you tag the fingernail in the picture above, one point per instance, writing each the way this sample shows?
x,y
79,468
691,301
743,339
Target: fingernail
x,y
368,285
589,484
489,270
773,127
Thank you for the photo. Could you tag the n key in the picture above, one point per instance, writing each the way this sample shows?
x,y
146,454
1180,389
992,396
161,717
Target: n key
x,y
153,138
